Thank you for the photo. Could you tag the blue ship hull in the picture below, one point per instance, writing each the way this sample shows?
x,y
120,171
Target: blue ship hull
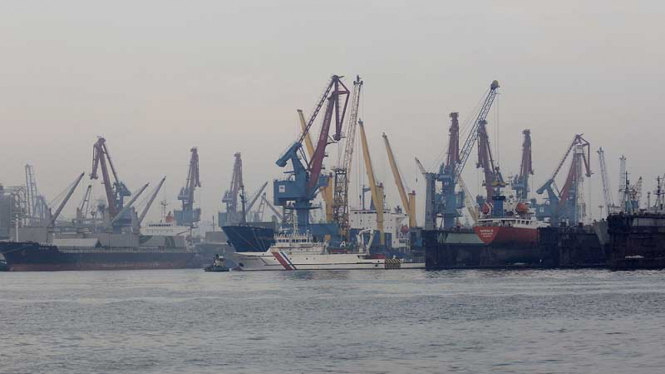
x,y
250,238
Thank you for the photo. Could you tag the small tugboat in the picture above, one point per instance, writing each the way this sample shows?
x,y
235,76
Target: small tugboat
x,y
218,265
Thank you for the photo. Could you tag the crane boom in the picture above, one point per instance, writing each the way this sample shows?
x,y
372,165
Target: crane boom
x,y
408,199
421,167
82,209
256,196
376,189
473,134
272,207
607,189
307,135
326,192
65,200
333,106
129,204
151,200
347,162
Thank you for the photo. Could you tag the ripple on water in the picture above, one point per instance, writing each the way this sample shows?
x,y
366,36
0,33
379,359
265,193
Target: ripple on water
x,y
188,321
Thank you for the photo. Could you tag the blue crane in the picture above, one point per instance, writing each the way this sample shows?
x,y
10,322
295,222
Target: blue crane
x,y
448,202
305,179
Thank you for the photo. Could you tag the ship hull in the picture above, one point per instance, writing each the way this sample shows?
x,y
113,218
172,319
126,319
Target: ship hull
x,y
507,236
283,261
249,238
29,256
637,241
451,249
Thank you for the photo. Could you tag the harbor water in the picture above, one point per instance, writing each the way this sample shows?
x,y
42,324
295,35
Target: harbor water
x,y
410,321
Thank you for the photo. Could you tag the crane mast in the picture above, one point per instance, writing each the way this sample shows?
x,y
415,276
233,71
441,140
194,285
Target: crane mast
x,y
375,188
115,190
607,189
493,179
623,178
188,216
231,196
36,205
340,200
408,199
521,182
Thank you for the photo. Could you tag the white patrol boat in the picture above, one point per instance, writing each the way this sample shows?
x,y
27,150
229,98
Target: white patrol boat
x,y
297,251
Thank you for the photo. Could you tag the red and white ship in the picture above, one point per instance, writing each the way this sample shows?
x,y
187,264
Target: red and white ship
x,y
519,230
510,231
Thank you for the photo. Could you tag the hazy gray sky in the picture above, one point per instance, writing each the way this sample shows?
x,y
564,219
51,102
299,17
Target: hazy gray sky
x,y
158,77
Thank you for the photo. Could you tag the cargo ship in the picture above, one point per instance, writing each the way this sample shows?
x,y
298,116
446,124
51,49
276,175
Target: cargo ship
x,y
99,252
494,242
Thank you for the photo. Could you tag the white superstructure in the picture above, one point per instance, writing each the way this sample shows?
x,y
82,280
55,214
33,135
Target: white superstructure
x,y
365,219
164,228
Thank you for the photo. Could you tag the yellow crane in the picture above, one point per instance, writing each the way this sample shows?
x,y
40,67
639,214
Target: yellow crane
x,y
375,188
408,200
326,192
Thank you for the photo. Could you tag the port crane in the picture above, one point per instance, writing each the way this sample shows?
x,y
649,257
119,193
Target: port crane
x,y
232,195
408,199
520,183
607,189
566,205
188,216
340,198
115,190
449,201
35,202
305,179
375,188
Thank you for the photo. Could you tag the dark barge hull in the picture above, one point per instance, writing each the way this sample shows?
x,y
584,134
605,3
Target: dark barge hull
x,y
637,241
556,248
28,256
462,250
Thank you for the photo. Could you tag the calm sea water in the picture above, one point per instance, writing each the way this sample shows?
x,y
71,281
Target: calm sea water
x,y
411,321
